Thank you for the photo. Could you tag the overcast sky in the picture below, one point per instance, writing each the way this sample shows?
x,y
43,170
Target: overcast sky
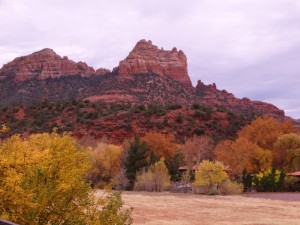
x,y
248,47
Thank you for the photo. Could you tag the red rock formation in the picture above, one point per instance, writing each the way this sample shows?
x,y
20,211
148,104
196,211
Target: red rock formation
x,y
210,95
201,85
146,57
46,64
102,71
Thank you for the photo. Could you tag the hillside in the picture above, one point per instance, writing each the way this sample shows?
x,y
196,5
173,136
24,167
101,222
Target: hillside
x,y
149,90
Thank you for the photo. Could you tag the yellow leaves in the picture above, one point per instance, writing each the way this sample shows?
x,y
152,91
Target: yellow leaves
x,y
262,159
210,174
268,172
38,171
4,129
161,175
157,178
292,162
287,141
106,163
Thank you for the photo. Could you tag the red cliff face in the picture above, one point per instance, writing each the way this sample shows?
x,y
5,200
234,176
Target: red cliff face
x,y
46,64
212,96
146,57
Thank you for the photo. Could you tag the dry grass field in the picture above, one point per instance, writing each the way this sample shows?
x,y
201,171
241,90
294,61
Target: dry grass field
x,y
185,209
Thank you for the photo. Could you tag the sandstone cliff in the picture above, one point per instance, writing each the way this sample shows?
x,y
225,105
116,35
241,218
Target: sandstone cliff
x,y
210,95
146,57
148,74
46,64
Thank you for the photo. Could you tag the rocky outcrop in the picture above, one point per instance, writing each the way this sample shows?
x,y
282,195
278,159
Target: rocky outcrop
x,y
102,71
210,95
46,64
200,85
147,74
146,57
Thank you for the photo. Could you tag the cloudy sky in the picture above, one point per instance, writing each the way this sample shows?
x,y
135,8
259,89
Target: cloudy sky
x,y
248,47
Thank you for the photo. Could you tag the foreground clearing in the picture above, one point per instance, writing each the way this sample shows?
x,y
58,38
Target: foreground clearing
x,y
185,209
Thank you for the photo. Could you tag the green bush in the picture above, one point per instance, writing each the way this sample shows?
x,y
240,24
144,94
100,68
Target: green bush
x,y
179,118
199,131
269,181
195,106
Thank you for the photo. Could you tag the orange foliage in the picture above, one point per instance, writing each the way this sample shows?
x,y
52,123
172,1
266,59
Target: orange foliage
x,y
238,155
163,146
265,130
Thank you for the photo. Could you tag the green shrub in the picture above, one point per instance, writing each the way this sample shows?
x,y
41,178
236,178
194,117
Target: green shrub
x,y
199,131
195,106
269,181
174,107
179,118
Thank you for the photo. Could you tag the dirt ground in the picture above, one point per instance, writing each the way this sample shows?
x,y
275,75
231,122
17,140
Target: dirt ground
x,y
287,196
186,209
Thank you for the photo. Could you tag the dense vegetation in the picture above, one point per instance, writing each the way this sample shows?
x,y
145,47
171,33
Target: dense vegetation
x,y
118,121
42,181
47,178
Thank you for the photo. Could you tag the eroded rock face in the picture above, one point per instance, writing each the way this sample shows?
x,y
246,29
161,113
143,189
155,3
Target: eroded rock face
x,y
46,64
102,71
158,86
146,57
210,95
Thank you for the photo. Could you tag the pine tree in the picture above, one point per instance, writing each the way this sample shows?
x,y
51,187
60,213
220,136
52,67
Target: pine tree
x,y
136,159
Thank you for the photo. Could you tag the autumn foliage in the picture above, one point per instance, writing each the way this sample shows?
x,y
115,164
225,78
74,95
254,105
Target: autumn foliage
x,y
264,143
42,181
242,154
210,174
106,164
161,145
264,131
156,178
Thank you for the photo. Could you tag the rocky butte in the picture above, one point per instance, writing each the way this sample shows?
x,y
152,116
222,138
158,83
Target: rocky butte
x,y
146,57
148,74
46,64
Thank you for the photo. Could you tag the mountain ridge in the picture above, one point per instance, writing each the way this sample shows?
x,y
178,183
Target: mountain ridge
x,y
147,76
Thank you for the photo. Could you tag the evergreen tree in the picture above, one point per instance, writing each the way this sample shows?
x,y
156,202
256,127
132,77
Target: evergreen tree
x,y
136,159
247,180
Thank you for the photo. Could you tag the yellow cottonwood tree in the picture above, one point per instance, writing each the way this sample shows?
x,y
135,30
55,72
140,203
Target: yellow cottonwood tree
x,y
287,152
157,178
42,181
210,174
106,163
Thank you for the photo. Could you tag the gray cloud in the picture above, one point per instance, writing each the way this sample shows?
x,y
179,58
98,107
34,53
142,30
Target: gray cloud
x,y
248,47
